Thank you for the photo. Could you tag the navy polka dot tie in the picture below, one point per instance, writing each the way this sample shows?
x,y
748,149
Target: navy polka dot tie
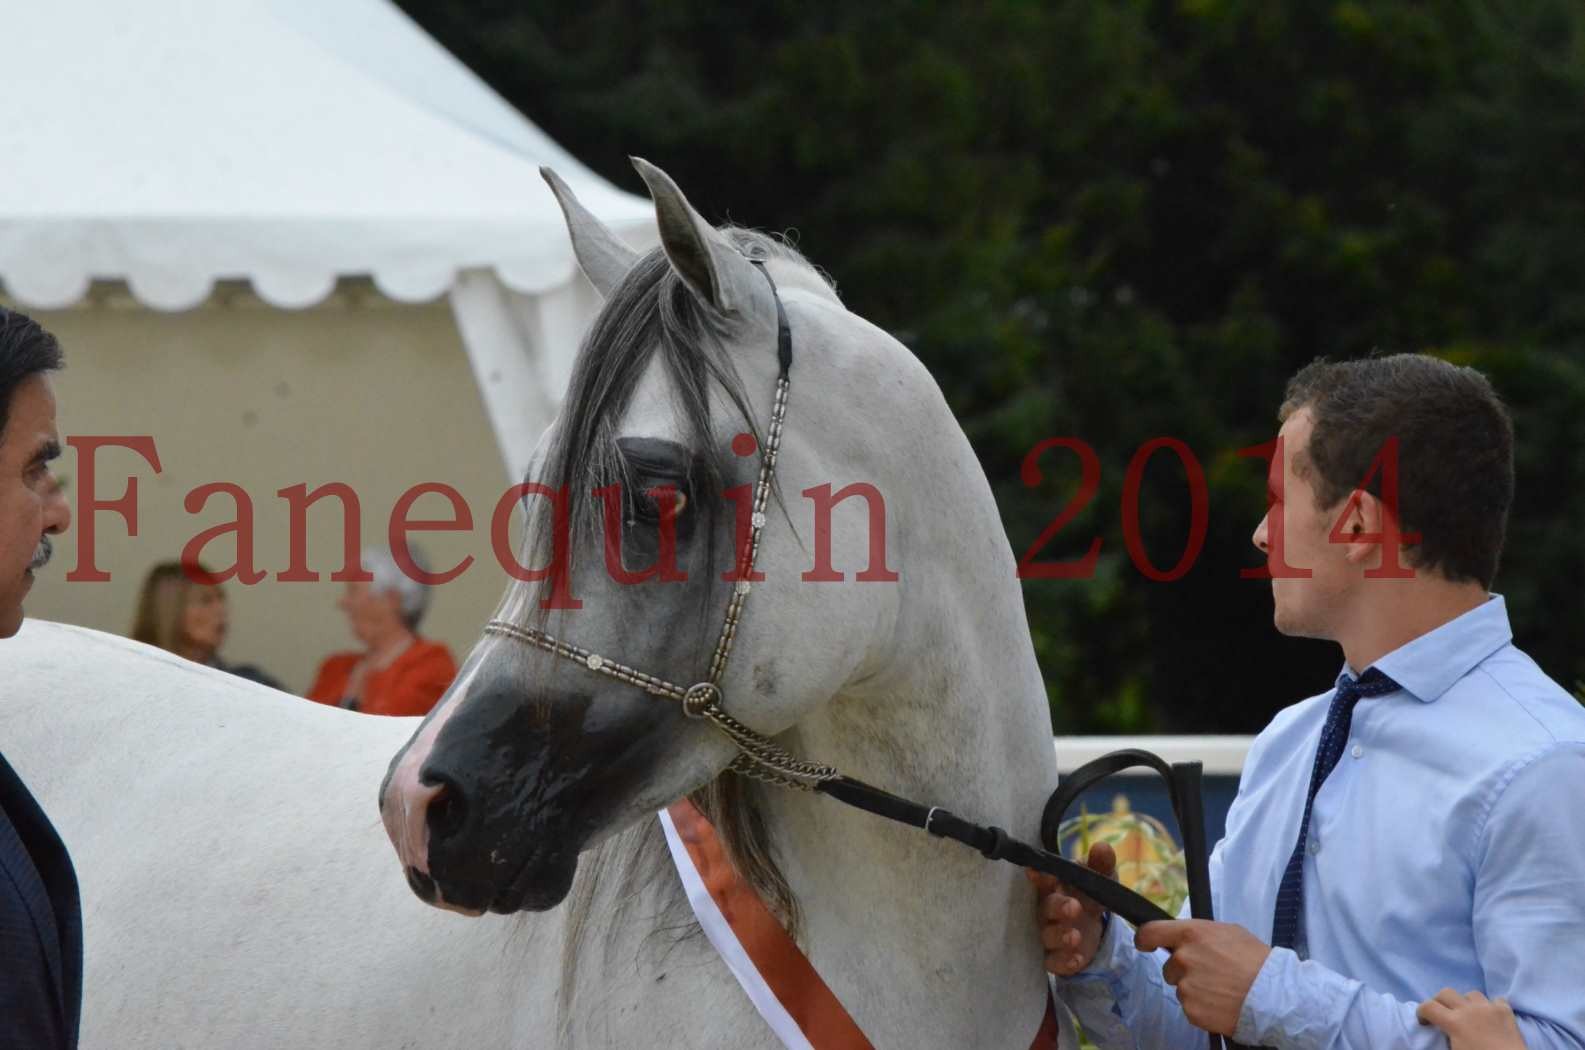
x,y
1287,923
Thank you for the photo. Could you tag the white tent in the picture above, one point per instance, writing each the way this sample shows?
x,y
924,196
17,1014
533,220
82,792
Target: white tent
x,y
171,144
270,233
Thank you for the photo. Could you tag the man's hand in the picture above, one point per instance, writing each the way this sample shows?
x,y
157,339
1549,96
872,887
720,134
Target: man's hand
x,y
1472,1022
1070,923
1212,966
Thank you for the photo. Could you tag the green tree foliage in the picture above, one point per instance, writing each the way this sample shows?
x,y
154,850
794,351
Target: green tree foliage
x,y
1123,220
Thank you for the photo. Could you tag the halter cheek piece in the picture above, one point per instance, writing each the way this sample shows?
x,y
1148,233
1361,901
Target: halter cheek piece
x,y
757,756
765,760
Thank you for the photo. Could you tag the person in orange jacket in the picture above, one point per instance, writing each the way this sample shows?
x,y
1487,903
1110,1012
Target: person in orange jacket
x,y
396,672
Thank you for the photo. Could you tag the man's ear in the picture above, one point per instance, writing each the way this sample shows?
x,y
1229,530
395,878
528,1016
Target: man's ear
x,y
1365,524
1349,525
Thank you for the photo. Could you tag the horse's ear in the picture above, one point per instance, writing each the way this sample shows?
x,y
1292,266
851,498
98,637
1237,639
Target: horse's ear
x,y
713,268
604,257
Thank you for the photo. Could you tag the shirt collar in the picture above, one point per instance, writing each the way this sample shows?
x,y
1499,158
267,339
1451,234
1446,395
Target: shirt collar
x,y
1428,666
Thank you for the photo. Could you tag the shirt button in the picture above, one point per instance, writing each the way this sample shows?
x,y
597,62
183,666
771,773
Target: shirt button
x,y
1357,751
1315,846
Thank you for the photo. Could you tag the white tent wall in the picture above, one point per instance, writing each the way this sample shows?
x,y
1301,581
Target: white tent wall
x,y
358,389
522,348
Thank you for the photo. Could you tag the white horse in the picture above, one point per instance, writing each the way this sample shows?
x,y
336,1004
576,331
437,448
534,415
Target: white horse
x,y
227,843
235,884
925,684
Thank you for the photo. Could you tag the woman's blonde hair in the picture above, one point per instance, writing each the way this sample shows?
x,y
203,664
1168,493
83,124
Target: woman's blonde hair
x,y
161,601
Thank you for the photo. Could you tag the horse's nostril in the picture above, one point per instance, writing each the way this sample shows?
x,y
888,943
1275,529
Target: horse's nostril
x,y
447,812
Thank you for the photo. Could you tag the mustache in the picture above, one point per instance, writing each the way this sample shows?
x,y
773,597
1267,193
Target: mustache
x,y
42,555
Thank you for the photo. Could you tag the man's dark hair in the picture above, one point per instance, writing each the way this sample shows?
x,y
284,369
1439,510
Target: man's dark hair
x,y
25,349
1455,452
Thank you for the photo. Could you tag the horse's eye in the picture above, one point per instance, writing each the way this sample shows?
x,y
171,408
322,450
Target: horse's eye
x,y
652,501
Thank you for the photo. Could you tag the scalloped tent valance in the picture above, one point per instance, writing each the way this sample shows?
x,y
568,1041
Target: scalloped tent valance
x,y
171,144
173,264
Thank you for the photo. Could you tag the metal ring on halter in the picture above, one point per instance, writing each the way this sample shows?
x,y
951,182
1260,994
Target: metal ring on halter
x,y
701,698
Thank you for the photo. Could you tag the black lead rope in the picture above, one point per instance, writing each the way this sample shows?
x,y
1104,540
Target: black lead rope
x,y
1185,790
996,844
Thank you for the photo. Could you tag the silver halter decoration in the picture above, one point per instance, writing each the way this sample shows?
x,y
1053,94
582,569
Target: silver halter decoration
x,y
758,756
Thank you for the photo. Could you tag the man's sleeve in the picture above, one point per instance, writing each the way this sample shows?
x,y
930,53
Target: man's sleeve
x,y
1530,897
1529,917
29,1016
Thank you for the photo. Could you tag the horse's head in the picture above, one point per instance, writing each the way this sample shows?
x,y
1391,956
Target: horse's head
x,y
534,755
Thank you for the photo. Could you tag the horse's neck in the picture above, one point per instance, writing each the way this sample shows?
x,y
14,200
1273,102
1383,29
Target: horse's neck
x,y
919,935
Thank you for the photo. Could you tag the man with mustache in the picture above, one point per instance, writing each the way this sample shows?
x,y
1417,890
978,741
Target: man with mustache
x,y
41,956
1416,828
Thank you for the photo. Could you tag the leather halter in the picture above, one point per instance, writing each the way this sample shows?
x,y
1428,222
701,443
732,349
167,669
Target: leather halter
x,y
757,756
763,759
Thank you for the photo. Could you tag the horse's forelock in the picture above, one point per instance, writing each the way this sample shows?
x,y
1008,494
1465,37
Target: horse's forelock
x,y
651,311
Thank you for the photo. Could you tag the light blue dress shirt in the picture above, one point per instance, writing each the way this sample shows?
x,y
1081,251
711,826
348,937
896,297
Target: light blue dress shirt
x,y
1447,849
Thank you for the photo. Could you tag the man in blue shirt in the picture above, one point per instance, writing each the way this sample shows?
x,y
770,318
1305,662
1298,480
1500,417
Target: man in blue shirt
x,y
41,953
1423,825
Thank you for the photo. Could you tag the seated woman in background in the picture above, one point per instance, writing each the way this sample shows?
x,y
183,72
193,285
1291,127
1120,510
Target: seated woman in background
x,y
396,672
187,618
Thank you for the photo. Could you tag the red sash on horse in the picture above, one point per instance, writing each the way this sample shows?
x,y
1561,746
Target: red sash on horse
x,y
767,962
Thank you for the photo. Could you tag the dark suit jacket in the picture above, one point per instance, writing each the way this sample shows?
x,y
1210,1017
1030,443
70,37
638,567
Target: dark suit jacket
x,y
41,938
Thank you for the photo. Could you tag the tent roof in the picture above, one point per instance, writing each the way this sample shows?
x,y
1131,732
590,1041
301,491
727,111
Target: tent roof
x,y
173,143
